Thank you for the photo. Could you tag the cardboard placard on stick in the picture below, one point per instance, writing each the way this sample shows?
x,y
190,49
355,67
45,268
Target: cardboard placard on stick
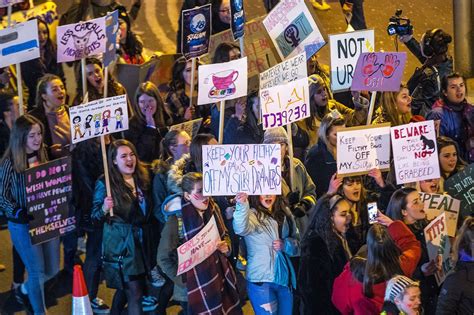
x,y
19,43
380,71
196,31
461,186
251,168
436,204
48,196
345,50
287,71
363,148
191,127
415,152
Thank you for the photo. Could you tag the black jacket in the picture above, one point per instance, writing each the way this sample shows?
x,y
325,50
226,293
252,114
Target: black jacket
x,y
146,139
320,165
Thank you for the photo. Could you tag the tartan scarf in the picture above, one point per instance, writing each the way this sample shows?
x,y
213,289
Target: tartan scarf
x,y
211,285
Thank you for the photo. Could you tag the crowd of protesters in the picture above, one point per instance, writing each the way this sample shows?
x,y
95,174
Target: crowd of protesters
x,y
310,250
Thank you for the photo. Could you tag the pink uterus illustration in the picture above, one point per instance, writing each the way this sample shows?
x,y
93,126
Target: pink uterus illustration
x,y
223,83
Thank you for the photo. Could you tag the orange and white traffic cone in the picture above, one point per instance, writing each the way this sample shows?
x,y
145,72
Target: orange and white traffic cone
x,y
81,305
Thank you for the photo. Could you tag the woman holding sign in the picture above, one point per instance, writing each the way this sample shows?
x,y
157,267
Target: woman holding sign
x,y
124,240
42,260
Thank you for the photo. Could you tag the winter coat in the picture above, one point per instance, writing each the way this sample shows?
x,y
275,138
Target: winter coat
x,y
264,264
146,139
13,193
160,189
457,292
321,165
318,269
453,122
347,294
236,132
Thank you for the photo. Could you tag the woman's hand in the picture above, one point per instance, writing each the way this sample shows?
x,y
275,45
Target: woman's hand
x,y
334,184
277,245
150,121
223,247
383,219
376,174
108,204
241,197
189,113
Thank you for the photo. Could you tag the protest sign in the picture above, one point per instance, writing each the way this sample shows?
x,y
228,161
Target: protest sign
x,y
251,168
438,246
199,248
381,71
196,26
436,204
111,32
98,118
284,104
19,43
6,3
237,18
191,127
222,81
48,195
130,76
80,40
461,186
345,50
293,29
287,71
415,153
362,148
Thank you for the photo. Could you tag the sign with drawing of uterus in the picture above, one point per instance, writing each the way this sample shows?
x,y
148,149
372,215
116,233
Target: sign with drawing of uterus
x,y
222,81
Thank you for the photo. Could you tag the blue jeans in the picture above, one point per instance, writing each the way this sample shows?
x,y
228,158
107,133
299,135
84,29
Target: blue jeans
x,y
41,261
270,298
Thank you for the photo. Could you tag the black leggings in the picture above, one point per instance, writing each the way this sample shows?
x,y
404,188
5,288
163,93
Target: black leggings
x,y
131,296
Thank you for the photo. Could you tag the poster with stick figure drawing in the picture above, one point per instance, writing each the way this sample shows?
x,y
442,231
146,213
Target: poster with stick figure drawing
x,y
98,118
80,40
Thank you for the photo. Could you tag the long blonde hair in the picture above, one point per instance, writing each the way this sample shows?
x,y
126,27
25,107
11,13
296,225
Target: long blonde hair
x,y
388,104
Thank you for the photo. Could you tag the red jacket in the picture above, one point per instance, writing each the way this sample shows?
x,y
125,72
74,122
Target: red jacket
x,y
347,294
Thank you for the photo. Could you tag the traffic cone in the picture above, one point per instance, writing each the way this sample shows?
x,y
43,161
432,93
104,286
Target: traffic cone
x,y
81,305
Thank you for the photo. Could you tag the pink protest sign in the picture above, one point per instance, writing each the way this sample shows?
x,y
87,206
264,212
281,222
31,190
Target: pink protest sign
x,y
80,40
381,71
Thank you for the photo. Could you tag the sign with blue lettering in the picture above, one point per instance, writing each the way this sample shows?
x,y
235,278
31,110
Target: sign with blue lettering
x,y
238,18
345,50
19,43
111,31
196,26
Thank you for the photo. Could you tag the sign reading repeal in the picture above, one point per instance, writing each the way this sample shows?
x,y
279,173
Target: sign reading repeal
x,y
436,204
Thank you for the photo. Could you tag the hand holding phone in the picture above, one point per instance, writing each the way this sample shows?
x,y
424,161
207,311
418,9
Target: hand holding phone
x,y
373,212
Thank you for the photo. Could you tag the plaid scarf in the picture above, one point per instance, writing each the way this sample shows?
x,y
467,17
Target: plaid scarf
x,y
211,285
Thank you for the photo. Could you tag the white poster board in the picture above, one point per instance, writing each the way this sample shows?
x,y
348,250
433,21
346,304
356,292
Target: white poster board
x,y
199,248
362,148
438,246
414,152
222,81
345,50
284,104
436,204
251,168
287,71
19,43
293,30
98,118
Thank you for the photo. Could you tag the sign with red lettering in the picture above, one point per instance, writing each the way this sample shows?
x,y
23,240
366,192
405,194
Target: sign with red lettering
x,y
414,152
284,104
438,246
436,204
199,248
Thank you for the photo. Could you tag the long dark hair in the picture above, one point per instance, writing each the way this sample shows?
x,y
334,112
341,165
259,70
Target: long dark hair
x,y
50,46
383,258
168,141
151,90
278,213
464,239
361,205
442,142
221,53
177,80
196,151
43,86
133,45
398,202
121,191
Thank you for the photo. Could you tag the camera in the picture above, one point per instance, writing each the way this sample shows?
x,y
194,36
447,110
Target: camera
x,y
399,25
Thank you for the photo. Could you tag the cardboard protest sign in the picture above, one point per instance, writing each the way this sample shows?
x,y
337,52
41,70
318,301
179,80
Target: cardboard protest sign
x,y
415,153
380,71
199,248
251,168
362,148
438,245
237,18
48,194
461,186
293,29
222,81
80,40
284,104
19,43
287,71
98,118
130,76
191,127
345,50
111,32
6,3
436,204
196,26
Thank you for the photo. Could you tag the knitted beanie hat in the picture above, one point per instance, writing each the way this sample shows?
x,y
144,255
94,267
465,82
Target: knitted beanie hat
x,y
275,135
397,285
